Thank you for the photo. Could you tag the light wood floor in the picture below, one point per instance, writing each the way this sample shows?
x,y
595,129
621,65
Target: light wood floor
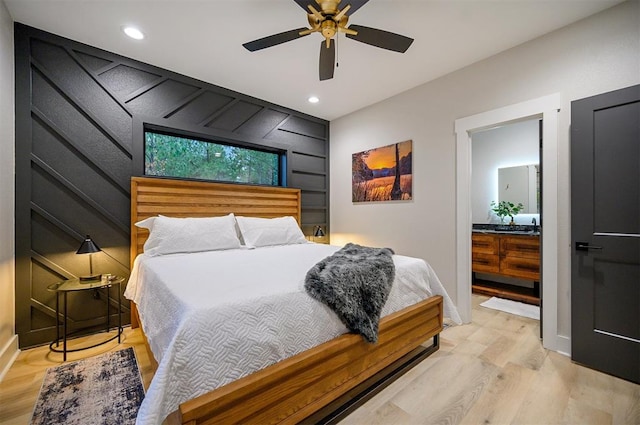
x,y
492,371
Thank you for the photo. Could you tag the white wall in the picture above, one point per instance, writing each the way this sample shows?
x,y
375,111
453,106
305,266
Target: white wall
x,y
595,55
505,146
8,339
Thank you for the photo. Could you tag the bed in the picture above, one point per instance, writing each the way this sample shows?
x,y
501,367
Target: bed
x,y
319,383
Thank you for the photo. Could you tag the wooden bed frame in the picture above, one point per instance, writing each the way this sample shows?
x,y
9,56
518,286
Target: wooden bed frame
x,y
320,385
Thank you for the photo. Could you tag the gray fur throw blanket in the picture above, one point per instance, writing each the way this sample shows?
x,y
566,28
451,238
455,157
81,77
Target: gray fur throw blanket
x,y
355,283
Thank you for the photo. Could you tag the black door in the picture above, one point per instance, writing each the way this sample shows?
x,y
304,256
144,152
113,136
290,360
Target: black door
x,y
605,232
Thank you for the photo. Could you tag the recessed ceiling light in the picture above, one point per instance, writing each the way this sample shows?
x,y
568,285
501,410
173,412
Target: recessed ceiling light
x,y
313,99
133,32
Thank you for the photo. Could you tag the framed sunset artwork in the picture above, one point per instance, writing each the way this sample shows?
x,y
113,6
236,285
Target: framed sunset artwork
x,y
382,174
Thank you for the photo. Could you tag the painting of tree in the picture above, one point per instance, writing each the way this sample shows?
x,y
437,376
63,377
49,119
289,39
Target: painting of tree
x,y
382,174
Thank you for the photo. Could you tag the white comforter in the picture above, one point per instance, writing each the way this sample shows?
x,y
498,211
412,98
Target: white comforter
x,y
213,317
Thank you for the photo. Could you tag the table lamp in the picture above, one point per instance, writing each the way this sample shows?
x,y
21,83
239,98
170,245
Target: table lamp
x,y
318,232
89,247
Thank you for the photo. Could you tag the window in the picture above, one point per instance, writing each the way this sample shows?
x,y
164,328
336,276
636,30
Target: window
x,y
174,156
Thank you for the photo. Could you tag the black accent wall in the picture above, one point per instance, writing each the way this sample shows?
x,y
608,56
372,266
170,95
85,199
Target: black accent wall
x,y
80,112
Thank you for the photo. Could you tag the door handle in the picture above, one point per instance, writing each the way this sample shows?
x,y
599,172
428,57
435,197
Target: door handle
x,y
584,246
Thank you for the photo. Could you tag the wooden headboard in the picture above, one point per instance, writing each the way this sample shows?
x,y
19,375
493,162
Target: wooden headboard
x,y
183,198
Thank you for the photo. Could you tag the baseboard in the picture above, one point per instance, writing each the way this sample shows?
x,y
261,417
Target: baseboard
x,y
563,345
8,355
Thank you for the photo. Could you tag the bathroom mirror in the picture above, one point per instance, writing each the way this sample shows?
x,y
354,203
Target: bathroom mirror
x,y
520,185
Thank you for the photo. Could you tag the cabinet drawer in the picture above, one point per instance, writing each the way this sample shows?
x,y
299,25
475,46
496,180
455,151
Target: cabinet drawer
x,y
525,268
522,247
485,244
487,263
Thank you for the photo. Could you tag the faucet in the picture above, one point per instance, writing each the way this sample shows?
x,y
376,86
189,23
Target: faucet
x,y
533,220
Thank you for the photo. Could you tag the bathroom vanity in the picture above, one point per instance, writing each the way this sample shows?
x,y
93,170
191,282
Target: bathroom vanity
x,y
513,252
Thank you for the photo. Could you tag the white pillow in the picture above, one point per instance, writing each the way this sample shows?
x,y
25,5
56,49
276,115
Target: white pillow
x,y
258,232
147,223
169,235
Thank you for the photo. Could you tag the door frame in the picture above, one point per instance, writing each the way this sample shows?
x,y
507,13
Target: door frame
x,y
546,108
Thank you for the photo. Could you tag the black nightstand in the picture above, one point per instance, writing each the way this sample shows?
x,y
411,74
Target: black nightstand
x,y
75,285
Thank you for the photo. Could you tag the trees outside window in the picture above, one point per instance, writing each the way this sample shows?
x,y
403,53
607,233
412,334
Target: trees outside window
x,y
174,156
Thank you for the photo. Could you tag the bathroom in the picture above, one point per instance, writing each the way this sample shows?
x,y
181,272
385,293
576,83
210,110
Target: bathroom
x,y
506,250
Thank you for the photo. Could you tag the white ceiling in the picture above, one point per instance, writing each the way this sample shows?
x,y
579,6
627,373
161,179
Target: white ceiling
x,y
203,39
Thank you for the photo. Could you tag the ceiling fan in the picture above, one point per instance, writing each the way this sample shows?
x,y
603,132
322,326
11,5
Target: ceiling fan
x,y
330,20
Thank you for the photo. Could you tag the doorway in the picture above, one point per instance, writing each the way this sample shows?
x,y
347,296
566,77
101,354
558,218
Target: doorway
x,y
545,108
506,170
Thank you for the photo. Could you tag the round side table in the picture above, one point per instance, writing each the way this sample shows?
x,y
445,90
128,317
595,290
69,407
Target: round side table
x,y
75,285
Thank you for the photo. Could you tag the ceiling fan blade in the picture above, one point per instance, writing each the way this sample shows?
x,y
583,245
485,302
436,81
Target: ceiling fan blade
x,y
355,5
380,38
327,59
305,4
273,40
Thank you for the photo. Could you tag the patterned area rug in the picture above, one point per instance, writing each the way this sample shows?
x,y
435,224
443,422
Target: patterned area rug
x,y
105,389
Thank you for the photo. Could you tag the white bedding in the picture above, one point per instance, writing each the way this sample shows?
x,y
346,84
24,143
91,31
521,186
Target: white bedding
x,y
213,317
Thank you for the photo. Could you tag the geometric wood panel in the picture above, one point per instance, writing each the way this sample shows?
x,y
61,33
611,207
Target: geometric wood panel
x,y
76,109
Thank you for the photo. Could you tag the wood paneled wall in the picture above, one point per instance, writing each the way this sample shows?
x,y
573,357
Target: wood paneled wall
x,y
80,112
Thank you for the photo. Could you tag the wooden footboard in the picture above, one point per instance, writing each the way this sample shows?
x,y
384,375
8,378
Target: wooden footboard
x,y
292,390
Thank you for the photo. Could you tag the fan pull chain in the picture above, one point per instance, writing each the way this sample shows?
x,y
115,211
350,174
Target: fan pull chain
x,y
337,56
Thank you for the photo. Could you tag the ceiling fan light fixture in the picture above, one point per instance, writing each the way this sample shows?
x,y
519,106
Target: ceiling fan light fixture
x,y
133,32
329,21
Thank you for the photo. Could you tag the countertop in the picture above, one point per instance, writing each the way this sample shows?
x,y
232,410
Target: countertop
x,y
508,232
506,229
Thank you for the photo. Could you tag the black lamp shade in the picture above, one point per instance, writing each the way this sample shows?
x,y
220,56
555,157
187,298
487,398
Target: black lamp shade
x,y
88,246
318,232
